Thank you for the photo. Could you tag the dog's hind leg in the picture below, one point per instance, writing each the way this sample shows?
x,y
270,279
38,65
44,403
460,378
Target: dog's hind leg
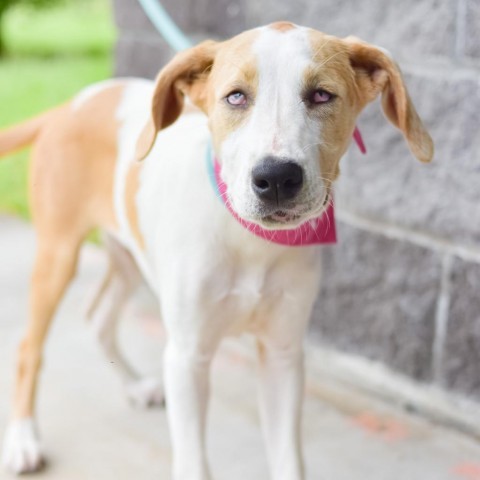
x,y
121,280
55,265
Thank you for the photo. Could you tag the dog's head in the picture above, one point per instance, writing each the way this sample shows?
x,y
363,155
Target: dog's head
x,y
282,102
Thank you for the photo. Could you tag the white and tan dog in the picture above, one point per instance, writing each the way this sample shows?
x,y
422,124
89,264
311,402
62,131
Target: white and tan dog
x,y
278,104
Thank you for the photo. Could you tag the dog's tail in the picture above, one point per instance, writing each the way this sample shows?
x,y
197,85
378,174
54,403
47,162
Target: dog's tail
x,y
22,134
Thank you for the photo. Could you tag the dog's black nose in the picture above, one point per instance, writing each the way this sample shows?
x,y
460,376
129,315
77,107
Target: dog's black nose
x,y
275,180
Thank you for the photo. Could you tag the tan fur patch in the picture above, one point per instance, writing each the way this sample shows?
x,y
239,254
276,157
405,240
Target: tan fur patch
x,y
145,141
73,166
282,26
331,71
19,136
189,108
131,190
186,74
224,79
71,192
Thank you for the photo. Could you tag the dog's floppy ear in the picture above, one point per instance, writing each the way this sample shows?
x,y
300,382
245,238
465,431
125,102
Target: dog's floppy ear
x,y
186,74
377,73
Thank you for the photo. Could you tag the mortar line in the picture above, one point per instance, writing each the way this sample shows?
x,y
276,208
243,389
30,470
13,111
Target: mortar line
x,y
441,320
442,69
460,27
468,253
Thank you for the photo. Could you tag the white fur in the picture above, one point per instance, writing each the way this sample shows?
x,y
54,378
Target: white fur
x,y
132,113
146,392
22,452
88,93
120,282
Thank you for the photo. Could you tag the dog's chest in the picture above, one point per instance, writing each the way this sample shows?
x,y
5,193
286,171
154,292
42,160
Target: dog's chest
x,y
247,299
249,295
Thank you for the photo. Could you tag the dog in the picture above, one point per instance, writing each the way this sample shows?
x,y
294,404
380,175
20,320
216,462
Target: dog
x,y
277,107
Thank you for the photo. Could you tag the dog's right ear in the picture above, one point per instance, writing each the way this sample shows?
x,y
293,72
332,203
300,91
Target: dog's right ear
x,y
186,74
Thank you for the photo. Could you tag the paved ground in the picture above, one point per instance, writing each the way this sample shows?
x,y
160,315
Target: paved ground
x,y
91,433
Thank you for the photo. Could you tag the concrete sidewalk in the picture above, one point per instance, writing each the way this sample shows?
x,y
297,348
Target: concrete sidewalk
x,y
91,433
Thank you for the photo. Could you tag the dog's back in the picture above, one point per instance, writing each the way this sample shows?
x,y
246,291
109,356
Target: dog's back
x,y
73,159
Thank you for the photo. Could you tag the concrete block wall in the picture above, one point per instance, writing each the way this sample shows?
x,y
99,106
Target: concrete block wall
x,y
403,285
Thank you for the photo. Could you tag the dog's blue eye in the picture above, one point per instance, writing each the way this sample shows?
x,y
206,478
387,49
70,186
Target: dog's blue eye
x,y
237,99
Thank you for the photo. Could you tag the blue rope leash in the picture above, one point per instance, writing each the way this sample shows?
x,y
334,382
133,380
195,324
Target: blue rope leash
x,y
178,41
165,25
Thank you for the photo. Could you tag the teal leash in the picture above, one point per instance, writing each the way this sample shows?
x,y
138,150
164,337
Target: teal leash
x,y
165,25
210,165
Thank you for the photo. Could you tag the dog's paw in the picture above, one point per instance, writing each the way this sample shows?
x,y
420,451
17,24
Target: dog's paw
x,y
146,392
21,449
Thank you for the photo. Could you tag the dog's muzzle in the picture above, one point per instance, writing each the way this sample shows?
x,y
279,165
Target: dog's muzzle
x,y
277,181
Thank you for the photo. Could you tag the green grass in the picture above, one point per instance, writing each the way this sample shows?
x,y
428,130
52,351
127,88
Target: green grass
x,y
52,55
74,27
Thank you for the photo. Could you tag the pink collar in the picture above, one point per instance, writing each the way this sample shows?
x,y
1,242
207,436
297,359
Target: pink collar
x,y
320,230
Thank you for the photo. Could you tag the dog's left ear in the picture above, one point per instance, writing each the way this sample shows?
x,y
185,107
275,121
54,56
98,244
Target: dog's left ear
x,y
377,73
186,74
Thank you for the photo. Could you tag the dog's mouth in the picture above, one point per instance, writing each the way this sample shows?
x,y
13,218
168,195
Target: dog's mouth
x,y
282,217
292,218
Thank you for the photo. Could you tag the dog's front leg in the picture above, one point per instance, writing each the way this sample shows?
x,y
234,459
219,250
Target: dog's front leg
x,y
187,392
281,377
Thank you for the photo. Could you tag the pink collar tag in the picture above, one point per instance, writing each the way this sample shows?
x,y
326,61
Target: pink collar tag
x,y
357,136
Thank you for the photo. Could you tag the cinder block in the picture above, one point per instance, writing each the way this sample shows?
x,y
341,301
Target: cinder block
x,y
410,29
141,51
472,33
378,299
212,18
462,349
219,18
130,16
441,198
140,56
